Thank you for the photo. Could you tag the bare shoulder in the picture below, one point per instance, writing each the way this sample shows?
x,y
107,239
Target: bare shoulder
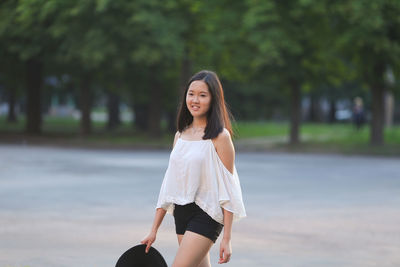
x,y
223,139
175,138
225,149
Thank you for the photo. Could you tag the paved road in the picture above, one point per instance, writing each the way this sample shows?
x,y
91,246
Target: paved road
x,y
73,208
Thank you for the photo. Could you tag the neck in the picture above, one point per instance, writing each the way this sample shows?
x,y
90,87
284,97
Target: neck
x,y
199,122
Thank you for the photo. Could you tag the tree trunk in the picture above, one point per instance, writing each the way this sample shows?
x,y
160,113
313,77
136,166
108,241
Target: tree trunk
x,y
185,74
141,116
154,118
314,115
295,112
378,112
85,105
113,102
171,117
11,117
332,111
34,93
389,109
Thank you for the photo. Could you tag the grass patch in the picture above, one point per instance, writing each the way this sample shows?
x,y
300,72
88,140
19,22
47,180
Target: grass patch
x,y
322,133
248,129
338,137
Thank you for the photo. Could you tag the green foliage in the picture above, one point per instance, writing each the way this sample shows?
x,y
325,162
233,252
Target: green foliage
x,y
256,46
368,31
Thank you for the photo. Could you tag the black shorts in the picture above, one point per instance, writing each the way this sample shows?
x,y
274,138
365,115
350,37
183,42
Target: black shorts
x,y
191,217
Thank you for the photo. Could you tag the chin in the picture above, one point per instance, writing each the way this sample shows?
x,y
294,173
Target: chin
x,y
198,115
195,113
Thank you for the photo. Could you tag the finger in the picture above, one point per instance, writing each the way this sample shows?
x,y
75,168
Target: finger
x,y
221,256
228,257
148,246
222,261
225,258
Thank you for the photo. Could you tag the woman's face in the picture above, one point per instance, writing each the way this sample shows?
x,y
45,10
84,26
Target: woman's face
x,y
198,99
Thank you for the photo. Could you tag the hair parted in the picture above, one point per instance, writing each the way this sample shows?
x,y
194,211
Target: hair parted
x,y
218,115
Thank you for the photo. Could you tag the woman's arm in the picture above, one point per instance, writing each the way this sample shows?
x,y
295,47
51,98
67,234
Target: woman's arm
x,y
226,152
225,250
228,219
225,149
158,218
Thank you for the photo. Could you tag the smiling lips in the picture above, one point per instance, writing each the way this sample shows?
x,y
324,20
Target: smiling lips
x,y
195,108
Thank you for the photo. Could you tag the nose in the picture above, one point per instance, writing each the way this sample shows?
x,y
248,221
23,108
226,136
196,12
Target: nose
x,y
196,99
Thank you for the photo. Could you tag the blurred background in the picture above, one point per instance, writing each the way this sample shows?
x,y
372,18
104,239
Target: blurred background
x,y
318,78
300,74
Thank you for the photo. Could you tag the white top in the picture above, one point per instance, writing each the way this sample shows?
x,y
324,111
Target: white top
x,y
195,173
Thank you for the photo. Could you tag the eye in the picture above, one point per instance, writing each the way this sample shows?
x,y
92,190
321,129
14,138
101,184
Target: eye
x,y
203,95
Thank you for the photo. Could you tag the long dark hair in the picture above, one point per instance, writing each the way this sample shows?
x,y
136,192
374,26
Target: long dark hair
x,y
218,115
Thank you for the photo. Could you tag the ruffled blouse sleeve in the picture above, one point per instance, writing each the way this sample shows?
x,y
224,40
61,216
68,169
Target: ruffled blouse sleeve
x,y
229,189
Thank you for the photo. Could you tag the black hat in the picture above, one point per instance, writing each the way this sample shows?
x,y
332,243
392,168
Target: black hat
x,y
137,257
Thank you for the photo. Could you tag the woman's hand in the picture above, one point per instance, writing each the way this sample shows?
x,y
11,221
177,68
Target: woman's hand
x,y
225,251
149,240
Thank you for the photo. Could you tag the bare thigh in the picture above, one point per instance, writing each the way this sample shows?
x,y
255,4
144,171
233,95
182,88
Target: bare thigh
x,y
193,251
206,260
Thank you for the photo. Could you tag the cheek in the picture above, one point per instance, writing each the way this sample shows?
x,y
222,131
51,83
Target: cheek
x,y
207,102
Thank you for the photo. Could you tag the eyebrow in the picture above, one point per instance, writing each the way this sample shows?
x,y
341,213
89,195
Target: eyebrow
x,y
191,90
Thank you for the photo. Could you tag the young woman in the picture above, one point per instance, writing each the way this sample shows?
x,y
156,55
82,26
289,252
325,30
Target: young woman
x,y
201,186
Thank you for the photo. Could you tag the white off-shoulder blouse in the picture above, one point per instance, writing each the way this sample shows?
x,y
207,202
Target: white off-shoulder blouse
x,y
195,173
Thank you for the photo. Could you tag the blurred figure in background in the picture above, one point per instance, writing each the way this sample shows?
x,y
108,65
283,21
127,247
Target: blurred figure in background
x,y
358,113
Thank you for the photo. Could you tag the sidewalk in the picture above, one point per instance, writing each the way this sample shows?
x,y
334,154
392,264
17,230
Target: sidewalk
x,y
81,207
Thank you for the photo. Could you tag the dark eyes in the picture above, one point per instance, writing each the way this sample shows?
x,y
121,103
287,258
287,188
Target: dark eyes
x,y
203,95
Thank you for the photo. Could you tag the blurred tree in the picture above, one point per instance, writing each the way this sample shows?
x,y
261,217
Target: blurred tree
x,y
24,30
11,70
368,34
159,26
289,44
83,48
214,40
266,52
